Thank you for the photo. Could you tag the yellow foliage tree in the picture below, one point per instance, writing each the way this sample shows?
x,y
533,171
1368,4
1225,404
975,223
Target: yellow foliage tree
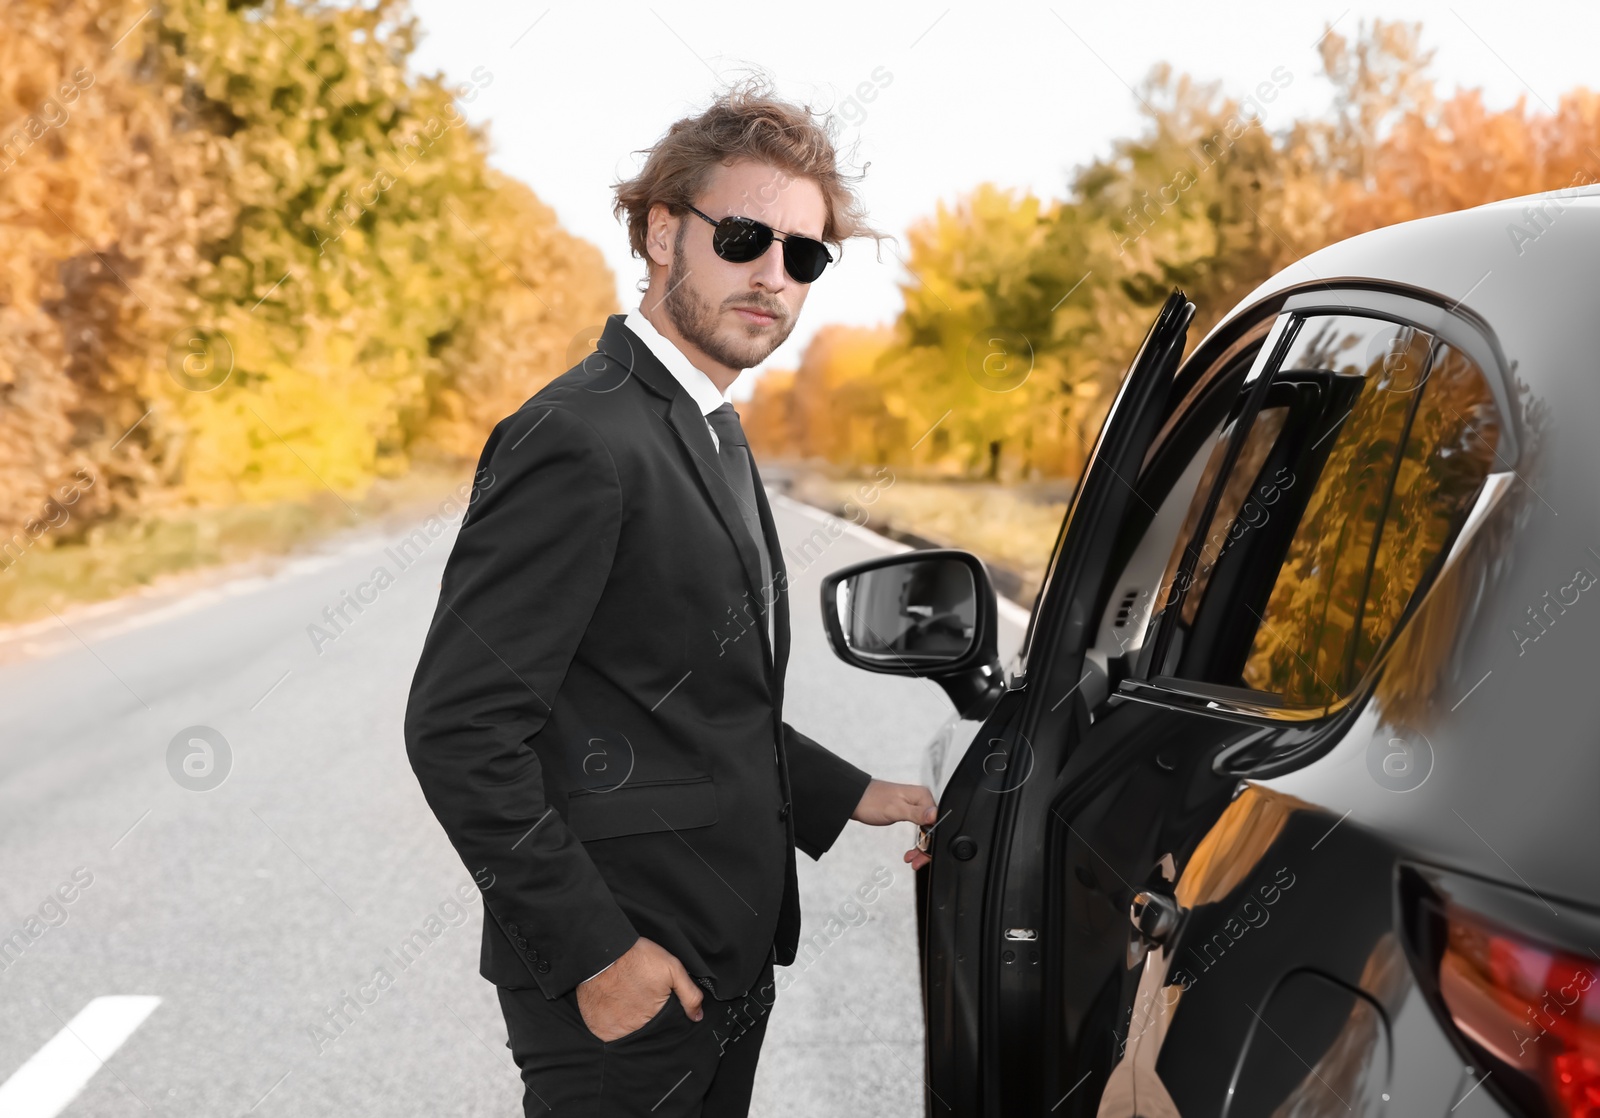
x,y
245,255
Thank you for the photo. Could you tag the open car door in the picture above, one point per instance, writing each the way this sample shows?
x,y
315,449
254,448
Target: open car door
x,y
982,905
985,970
1256,533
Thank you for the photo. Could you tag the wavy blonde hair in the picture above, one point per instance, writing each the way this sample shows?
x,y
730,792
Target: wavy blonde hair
x,y
744,122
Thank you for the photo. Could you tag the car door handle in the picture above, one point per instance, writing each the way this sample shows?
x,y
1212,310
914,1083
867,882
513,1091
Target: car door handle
x,y
1154,915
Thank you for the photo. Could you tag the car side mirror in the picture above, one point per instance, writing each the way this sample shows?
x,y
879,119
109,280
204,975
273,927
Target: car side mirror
x,y
919,613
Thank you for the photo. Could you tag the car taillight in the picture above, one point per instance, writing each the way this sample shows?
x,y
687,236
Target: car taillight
x,y
1529,1012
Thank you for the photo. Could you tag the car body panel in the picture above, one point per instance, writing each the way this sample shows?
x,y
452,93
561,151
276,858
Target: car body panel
x,y
1309,1003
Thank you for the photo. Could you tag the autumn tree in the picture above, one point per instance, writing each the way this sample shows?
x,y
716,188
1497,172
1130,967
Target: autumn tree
x,y
1215,194
247,256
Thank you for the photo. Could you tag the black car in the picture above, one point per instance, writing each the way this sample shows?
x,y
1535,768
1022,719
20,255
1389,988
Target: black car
x,y
1290,803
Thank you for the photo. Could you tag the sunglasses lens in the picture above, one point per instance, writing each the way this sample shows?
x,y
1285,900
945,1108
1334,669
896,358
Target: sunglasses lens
x,y
738,239
804,259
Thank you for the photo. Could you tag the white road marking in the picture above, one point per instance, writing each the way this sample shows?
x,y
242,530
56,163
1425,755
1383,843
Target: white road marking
x,y
1012,612
42,1087
129,612
851,528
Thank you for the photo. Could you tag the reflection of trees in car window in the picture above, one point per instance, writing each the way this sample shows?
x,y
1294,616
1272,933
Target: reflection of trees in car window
x,y
1371,441
1339,345
1451,449
1304,644
1233,515
1344,582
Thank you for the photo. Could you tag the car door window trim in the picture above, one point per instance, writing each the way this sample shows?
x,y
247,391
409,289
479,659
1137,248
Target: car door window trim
x,y
1452,326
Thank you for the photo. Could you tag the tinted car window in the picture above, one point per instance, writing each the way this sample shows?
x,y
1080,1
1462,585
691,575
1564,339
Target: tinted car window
x,y
1452,446
1371,440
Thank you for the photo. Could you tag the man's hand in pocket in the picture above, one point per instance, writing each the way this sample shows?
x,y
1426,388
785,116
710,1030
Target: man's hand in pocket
x,y
627,994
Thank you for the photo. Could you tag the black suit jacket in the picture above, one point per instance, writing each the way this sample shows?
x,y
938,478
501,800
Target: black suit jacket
x,y
596,717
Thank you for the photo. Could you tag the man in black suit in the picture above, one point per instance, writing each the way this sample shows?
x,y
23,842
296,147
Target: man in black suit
x,y
596,718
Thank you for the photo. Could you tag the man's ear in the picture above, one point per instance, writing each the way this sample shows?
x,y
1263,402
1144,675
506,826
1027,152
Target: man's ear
x,y
660,228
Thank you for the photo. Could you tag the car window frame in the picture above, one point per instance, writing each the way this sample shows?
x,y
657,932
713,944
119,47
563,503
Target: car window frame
x,y
1449,324
1211,357
1454,325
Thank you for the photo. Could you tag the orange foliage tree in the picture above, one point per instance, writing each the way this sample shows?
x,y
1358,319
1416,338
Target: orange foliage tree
x,y
246,255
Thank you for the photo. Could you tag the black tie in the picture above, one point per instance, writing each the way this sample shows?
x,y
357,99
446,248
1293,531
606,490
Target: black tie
x,y
739,469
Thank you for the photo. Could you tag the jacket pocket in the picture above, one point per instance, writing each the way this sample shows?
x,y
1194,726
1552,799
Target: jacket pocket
x,y
638,808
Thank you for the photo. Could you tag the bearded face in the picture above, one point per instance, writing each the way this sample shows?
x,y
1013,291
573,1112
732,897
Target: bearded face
x,y
714,325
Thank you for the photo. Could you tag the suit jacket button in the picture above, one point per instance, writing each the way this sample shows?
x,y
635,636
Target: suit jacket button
x,y
783,812
511,928
543,967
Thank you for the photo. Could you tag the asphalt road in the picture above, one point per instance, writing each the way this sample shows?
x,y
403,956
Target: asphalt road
x,y
181,932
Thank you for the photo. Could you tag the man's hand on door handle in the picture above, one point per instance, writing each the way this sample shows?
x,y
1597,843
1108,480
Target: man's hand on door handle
x,y
885,802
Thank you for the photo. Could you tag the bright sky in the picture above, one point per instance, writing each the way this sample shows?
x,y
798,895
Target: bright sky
x,y
1016,94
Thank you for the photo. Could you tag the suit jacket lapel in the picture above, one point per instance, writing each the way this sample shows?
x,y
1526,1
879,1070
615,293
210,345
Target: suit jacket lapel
x,y
683,417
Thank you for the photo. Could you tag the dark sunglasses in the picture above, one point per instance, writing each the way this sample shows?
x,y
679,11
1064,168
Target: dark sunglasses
x,y
740,240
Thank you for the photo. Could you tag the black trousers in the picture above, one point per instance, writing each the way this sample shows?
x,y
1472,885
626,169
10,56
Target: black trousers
x,y
669,1067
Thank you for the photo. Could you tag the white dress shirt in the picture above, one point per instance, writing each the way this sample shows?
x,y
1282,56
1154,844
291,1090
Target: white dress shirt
x,y
695,382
